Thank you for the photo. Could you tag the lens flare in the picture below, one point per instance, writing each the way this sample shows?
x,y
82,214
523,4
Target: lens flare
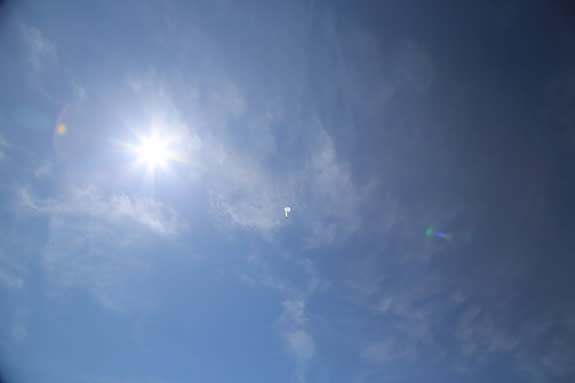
x,y
61,129
430,232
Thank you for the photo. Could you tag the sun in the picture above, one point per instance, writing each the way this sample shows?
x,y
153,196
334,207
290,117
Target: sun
x,y
153,152
156,150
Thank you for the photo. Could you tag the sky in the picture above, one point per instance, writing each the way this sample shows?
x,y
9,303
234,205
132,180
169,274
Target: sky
x,y
148,149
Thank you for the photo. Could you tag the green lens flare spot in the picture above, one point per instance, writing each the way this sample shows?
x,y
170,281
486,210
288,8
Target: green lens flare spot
x,y
429,232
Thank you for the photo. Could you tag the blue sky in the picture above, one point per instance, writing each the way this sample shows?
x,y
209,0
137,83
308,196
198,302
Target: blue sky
x,y
372,120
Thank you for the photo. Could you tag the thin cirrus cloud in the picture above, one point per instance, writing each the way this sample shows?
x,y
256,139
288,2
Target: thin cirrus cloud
x,y
537,348
44,171
9,279
95,243
385,351
119,208
243,189
301,344
3,147
294,324
40,51
253,197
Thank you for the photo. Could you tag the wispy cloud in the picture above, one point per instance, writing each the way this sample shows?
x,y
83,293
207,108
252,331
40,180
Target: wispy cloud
x,y
243,194
115,379
111,262
10,271
3,147
95,242
294,324
326,202
332,197
118,208
294,311
44,170
382,352
246,188
295,320
9,279
301,344
478,333
41,51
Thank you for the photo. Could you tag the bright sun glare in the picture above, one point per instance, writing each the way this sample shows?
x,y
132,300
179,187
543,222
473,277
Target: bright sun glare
x,y
153,152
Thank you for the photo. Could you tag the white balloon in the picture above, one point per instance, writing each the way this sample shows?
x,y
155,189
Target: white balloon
x,y
287,210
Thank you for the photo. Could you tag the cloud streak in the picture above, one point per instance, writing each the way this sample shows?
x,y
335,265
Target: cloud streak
x,y
3,147
294,324
40,50
9,280
301,344
117,209
95,242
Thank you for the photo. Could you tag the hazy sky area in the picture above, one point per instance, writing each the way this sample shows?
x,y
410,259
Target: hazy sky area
x,y
148,149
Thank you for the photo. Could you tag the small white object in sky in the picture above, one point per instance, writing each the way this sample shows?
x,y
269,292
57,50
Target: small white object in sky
x,y
287,210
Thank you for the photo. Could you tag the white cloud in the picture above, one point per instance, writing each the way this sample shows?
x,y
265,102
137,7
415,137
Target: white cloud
x,y
328,203
19,331
333,197
118,209
247,280
383,352
539,347
10,280
241,190
44,170
244,187
377,353
316,283
478,333
246,197
40,50
78,90
301,344
295,325
15,328
294,311
96,242
10,271
558,360
113,379
3,147
111,262
295,320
